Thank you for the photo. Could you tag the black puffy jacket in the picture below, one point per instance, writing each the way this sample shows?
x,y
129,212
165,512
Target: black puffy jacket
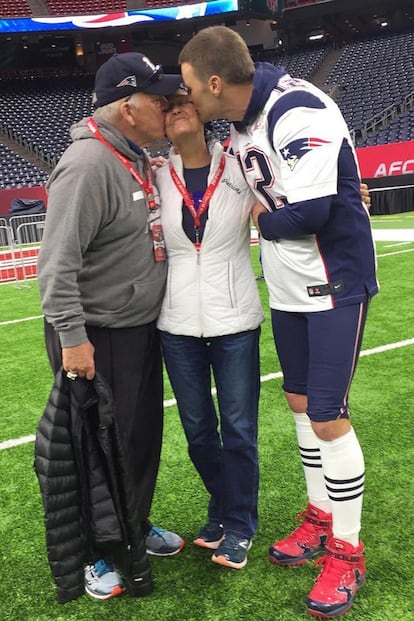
x,y
87,491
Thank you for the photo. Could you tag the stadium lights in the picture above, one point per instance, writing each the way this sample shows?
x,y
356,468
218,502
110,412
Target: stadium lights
x,y
381,22
317,36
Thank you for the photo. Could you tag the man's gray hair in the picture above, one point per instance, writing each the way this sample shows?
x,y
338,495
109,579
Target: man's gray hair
x,y
110,111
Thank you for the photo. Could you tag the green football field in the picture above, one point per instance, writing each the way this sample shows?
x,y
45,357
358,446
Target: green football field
x,y
190,587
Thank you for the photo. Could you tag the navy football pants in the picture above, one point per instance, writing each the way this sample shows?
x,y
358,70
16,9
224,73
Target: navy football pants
x,y
318,353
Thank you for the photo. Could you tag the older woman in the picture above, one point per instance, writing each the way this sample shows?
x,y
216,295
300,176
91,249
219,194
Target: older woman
x,y
210,324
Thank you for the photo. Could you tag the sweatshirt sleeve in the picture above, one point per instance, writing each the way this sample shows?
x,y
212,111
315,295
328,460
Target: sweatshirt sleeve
x,y
76,204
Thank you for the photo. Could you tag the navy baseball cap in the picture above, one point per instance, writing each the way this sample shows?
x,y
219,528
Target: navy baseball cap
x,y
123,75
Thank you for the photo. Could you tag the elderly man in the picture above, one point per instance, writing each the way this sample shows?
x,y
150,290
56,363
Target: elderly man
x,y
102,272
319,265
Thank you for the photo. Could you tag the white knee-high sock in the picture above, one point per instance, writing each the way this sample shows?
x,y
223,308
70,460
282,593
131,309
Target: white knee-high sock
x,y
312,464
344,471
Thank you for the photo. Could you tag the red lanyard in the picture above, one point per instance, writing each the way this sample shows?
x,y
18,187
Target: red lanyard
x,y
146,184
154,223
205,201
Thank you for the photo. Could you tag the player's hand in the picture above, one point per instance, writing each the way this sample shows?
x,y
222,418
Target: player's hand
x,y
256,211
366,199
79,360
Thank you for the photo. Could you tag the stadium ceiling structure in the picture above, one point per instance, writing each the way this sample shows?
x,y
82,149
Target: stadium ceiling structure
x,y
336,21
341,20
332,21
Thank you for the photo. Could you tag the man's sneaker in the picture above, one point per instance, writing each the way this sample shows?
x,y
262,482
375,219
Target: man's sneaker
x,y
210,536
342,575
308,539
102,581
232,551
160,542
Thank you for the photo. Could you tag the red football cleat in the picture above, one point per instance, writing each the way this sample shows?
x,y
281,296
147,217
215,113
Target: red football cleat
x,y
342,575
306,540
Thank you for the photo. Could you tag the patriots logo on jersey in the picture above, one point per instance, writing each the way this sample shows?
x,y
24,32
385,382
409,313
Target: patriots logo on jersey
x,y
296,149
128,81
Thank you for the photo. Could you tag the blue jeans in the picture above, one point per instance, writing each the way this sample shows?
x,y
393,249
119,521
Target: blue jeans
x,y
225,456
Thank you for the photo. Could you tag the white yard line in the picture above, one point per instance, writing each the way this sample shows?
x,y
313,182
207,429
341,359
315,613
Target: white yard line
x,y
380,220
391,254
382,348
16,442
7,323
393,235
264,378
405,243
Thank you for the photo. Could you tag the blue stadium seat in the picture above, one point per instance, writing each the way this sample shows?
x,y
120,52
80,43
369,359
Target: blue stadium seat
x,y
16,172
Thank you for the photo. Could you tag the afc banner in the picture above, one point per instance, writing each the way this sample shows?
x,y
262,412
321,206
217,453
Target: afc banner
x,y
386,160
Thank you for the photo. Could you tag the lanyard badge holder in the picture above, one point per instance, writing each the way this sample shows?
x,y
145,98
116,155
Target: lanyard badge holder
x,y
155,228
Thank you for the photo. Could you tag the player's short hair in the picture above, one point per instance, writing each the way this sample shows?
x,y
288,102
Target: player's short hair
x,y
218,50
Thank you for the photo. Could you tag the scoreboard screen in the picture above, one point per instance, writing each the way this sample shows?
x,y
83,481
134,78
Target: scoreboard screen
x,y
127,18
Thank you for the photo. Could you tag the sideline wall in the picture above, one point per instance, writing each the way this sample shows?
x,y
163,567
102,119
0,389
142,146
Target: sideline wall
x,y
388,170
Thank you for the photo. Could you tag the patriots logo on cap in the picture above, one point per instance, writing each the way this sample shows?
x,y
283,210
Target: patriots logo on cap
x,y
128,81
296,149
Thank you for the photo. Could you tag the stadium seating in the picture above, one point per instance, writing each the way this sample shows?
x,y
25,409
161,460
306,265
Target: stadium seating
x,y
16,172
38,114
84,7
300,64
14,8
373,74
399,130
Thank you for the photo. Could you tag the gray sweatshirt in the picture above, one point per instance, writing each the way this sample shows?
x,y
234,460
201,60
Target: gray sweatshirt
x,y
96,264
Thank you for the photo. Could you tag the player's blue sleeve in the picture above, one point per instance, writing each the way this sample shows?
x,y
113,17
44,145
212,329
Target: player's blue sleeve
x,y
296,219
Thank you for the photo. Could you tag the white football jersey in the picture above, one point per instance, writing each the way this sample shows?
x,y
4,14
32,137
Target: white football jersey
x,y
297,156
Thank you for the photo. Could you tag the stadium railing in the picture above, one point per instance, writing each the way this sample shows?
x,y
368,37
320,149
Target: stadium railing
x,y
20,238
8,261
386,116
